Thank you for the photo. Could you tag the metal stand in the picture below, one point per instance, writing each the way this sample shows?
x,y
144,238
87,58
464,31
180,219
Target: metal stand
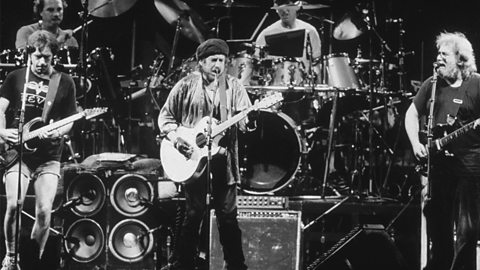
x,y
174,45
21,122
331,132
208,195
371,130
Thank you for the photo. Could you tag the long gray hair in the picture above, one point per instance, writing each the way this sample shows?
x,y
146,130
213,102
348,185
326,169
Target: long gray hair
x,y
463,50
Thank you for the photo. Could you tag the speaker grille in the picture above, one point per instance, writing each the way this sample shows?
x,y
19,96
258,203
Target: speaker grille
x,y
270,239
84,240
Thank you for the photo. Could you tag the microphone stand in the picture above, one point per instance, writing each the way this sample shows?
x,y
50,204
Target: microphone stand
x,y
429,130
21,121
82,65
208,194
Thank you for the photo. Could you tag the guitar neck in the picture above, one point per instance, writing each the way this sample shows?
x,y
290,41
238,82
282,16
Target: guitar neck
x,y
225,125
35,133
455,134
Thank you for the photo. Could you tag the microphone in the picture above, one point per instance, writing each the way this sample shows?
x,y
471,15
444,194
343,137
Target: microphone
x,y
73,240
216,71
72,202
436,65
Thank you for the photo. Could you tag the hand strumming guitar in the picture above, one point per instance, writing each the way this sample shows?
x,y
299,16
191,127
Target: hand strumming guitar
x,y
9,135
419,150
183,147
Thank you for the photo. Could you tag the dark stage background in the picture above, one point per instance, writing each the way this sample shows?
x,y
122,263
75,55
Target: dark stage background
x,y
423,20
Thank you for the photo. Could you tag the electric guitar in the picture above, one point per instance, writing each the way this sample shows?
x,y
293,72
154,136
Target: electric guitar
x,y
444,137
180,168
9,154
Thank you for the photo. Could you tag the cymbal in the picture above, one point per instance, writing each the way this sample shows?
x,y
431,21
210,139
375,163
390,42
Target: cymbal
x,y
346,29
305,5
253,45
365,61
191,24
230,4
109,8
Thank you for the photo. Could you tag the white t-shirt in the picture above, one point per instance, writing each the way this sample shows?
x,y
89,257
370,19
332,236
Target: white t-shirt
x,y
277,27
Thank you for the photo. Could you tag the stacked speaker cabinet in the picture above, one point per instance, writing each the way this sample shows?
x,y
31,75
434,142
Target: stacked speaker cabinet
x,y
271,239
110,220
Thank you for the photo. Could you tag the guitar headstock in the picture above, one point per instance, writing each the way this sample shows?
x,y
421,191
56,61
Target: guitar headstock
x,y
94,112
269,101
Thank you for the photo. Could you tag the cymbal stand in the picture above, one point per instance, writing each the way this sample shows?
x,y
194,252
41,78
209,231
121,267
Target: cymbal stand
x,y
331,131
228,17
321,32
401,52
309,52
82,66
178,28
373,31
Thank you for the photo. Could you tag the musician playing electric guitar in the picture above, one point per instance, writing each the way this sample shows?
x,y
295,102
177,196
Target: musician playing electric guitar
x,y
208,91
454,178
52,94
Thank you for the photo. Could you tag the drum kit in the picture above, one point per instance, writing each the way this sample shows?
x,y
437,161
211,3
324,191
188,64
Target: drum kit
x,y
302,142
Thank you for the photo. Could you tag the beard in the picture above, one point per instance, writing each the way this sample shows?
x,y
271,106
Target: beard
x,y
449,72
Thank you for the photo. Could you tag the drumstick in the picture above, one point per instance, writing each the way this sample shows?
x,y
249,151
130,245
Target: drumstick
x,y
80,27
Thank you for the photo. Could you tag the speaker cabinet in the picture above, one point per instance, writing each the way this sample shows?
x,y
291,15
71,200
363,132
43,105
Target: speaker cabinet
x,y
270,239
109,220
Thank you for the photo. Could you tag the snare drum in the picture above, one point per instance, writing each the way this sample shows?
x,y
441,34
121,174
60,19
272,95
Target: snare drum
x,y
242,67
288,71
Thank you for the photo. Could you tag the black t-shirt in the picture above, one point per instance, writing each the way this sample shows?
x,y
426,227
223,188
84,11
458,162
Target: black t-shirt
x,y
449,101
63,106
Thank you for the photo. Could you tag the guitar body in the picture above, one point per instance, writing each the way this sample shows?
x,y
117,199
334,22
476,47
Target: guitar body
x,y
179,168
31,131
443,135
8,157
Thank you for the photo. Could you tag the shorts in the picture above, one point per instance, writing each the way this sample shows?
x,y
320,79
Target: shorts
x,y
50,167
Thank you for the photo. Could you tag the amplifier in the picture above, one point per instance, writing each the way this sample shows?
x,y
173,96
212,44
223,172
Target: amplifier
x,y
270,239
262,202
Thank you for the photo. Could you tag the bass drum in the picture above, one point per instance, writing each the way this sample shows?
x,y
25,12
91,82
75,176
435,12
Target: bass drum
x,y
269,155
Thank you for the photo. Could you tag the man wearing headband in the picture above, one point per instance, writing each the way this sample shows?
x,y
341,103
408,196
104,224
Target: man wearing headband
x,y
50,13
208,91
287,11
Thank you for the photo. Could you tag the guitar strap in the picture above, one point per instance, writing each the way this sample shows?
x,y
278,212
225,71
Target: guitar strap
x,y
223,99
51,94
461,96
